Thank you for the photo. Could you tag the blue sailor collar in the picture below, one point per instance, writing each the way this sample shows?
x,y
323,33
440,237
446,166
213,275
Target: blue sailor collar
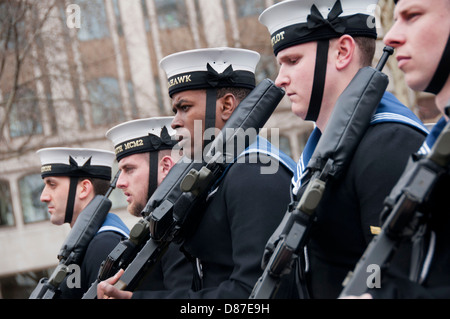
x,y
114,223
432,137
262,146
390,109
300,171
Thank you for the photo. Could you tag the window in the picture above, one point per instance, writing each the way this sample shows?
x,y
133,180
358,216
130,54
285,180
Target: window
x,y
12,21
171,13
132,97
266,68
106,105
94,24
226,15
159,95
247,8
6,212
118,18
25,117
31,187
285,146
117,197
145,14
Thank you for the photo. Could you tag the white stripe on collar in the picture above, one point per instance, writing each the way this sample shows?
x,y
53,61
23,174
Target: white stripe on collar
x,y
379,117
114,229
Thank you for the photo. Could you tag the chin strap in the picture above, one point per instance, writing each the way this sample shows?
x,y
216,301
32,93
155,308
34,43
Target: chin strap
x,y
210,114
320,71
440,77
71,199
152,174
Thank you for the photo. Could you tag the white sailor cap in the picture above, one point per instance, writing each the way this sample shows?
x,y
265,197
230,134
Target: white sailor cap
x,y
299,21
141,136
76,162
209,68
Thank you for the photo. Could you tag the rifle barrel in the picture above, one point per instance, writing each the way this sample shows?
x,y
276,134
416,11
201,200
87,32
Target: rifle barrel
x,y
387,51
112,186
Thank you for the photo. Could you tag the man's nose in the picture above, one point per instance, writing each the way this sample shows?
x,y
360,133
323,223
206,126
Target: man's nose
x,y
45,197
121,182
176,122
282,79
395,37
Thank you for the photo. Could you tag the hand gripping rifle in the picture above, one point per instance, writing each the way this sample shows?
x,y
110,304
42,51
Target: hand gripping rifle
x,y
175,208
72,251
403,218
346,127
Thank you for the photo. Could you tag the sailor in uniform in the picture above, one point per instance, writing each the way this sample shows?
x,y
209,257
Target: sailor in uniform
x,y
72,178
145,152
320,45
421,37
244,206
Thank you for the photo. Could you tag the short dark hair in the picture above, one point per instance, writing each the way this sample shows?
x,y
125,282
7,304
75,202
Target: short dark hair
x,y
367,47
100,186
239,93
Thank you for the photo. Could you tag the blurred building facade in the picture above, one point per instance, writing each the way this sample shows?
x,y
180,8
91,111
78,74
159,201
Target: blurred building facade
x,y
78,82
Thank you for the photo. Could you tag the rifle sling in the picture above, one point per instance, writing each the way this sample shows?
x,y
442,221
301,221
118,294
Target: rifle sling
x,y
71,199
320,71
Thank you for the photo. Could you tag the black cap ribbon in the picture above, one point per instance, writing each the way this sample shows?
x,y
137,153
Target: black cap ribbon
x,y
164,140
214,78
75,168
315,19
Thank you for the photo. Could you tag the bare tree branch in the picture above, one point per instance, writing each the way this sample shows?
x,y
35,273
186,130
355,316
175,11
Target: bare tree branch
x,y
23,26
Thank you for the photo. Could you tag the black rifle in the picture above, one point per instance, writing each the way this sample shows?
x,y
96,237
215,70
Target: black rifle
x,y
175,208
346,127
403,218
72,251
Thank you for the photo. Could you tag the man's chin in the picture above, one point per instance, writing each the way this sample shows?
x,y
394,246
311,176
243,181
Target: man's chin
x,y
56,221
417,82
135,210
299,110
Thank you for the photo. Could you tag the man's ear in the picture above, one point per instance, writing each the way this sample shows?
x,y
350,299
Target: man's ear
x,y
227,105
85,188
344,51
164,166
